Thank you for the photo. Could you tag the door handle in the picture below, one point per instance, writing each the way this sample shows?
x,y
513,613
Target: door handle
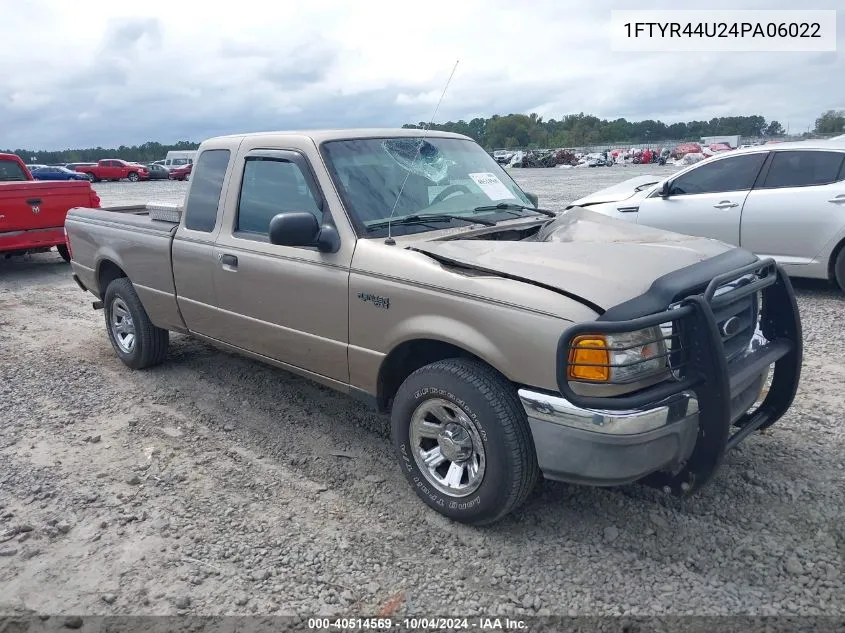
x,y
840,199
725,204
229,261
33,201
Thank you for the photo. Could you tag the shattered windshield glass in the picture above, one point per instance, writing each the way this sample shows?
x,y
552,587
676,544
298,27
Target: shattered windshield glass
x,y
418,157
434,175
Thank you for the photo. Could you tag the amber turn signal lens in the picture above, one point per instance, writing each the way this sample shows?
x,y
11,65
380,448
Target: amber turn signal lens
x,y
586,353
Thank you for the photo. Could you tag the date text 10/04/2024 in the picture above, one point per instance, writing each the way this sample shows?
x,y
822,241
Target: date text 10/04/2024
x,y
417,624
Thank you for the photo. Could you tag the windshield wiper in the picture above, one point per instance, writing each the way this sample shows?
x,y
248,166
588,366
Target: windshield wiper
x,y
430,217
510,206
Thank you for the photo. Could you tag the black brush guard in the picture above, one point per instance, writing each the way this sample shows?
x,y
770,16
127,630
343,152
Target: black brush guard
x,y
706,370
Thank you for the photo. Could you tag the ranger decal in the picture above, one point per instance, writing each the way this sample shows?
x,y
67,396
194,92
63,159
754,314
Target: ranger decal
x,y
379,302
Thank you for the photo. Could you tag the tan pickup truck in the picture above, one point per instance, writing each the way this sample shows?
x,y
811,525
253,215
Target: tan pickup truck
x,y
506,341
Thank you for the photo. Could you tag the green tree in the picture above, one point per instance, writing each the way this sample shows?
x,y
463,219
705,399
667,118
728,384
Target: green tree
x,y
831,122
774,129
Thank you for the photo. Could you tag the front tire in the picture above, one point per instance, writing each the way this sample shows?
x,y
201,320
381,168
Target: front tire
x,y
136,341
839,269
133,177
463,440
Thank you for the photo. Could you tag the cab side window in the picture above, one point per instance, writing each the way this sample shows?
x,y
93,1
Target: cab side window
x,y
11,171
803,169
204,197
271,186
737,173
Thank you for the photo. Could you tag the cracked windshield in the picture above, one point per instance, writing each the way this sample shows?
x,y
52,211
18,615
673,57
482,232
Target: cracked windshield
x,y
442,180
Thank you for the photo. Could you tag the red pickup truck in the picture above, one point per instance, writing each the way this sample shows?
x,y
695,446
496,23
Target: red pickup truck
x,y
32,212
115,169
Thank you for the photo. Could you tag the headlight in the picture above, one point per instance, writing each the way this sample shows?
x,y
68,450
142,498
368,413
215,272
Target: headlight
x,y
617,358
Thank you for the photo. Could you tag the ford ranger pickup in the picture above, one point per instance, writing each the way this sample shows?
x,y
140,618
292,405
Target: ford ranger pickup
x,y
506,341
32,213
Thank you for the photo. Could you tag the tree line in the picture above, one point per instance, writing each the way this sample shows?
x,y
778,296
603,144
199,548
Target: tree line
x,y
578,130
511,130
145,153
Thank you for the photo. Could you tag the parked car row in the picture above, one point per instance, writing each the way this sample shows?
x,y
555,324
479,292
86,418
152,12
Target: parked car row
x,y
32,214
111,169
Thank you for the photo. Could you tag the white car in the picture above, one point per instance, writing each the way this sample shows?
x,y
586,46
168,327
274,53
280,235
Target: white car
x,y
785,200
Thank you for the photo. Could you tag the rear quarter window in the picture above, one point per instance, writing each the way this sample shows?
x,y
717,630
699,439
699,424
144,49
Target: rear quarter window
x,y
804,169
207,183
11,171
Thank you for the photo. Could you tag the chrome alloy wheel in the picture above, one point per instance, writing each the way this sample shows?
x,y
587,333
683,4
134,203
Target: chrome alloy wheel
x,y
122,326
447,447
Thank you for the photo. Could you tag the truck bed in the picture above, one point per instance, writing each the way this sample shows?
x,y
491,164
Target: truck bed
x,y
134,243
159,217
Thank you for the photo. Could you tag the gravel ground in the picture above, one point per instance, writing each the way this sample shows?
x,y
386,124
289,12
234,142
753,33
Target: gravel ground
x,y
217,485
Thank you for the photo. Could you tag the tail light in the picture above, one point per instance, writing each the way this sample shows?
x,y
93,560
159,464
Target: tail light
x,y
95,199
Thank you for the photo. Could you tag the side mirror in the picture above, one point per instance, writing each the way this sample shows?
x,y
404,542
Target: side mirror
x,y
534,198
300,228
665,190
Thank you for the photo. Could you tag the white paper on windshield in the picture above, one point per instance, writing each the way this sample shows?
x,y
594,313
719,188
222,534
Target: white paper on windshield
x,y
492,187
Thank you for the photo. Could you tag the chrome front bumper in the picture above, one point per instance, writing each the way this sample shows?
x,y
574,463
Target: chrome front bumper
x,y
606,448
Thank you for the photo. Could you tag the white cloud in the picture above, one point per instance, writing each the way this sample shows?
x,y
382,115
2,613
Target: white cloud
x,y
107,73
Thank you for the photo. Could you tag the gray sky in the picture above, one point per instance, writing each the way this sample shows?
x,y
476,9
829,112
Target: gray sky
x,y
111,73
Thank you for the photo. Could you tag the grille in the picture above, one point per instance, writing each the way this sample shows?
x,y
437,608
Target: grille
x,y
737,320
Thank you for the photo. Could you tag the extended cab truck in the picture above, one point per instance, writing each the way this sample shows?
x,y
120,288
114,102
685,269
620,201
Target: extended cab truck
x,y
115,169
32,213
506,341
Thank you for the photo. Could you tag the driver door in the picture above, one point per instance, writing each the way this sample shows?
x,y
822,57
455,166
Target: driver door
x,y
707,200
287,303
111,170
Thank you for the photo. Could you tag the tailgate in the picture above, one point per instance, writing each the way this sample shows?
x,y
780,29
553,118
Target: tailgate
x,y
40,205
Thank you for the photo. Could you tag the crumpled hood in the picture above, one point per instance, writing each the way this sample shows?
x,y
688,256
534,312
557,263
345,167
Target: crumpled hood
x,y
620,191
584,254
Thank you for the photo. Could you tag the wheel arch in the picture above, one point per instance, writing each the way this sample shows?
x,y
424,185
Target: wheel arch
x,y
831,262
106,272
409,355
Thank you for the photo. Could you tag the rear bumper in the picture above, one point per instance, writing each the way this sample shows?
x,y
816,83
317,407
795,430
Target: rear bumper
x,y
14,241
79,282
608,448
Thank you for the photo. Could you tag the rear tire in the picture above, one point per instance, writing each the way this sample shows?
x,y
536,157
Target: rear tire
x,y
136,341
64,252
839,269
463,440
